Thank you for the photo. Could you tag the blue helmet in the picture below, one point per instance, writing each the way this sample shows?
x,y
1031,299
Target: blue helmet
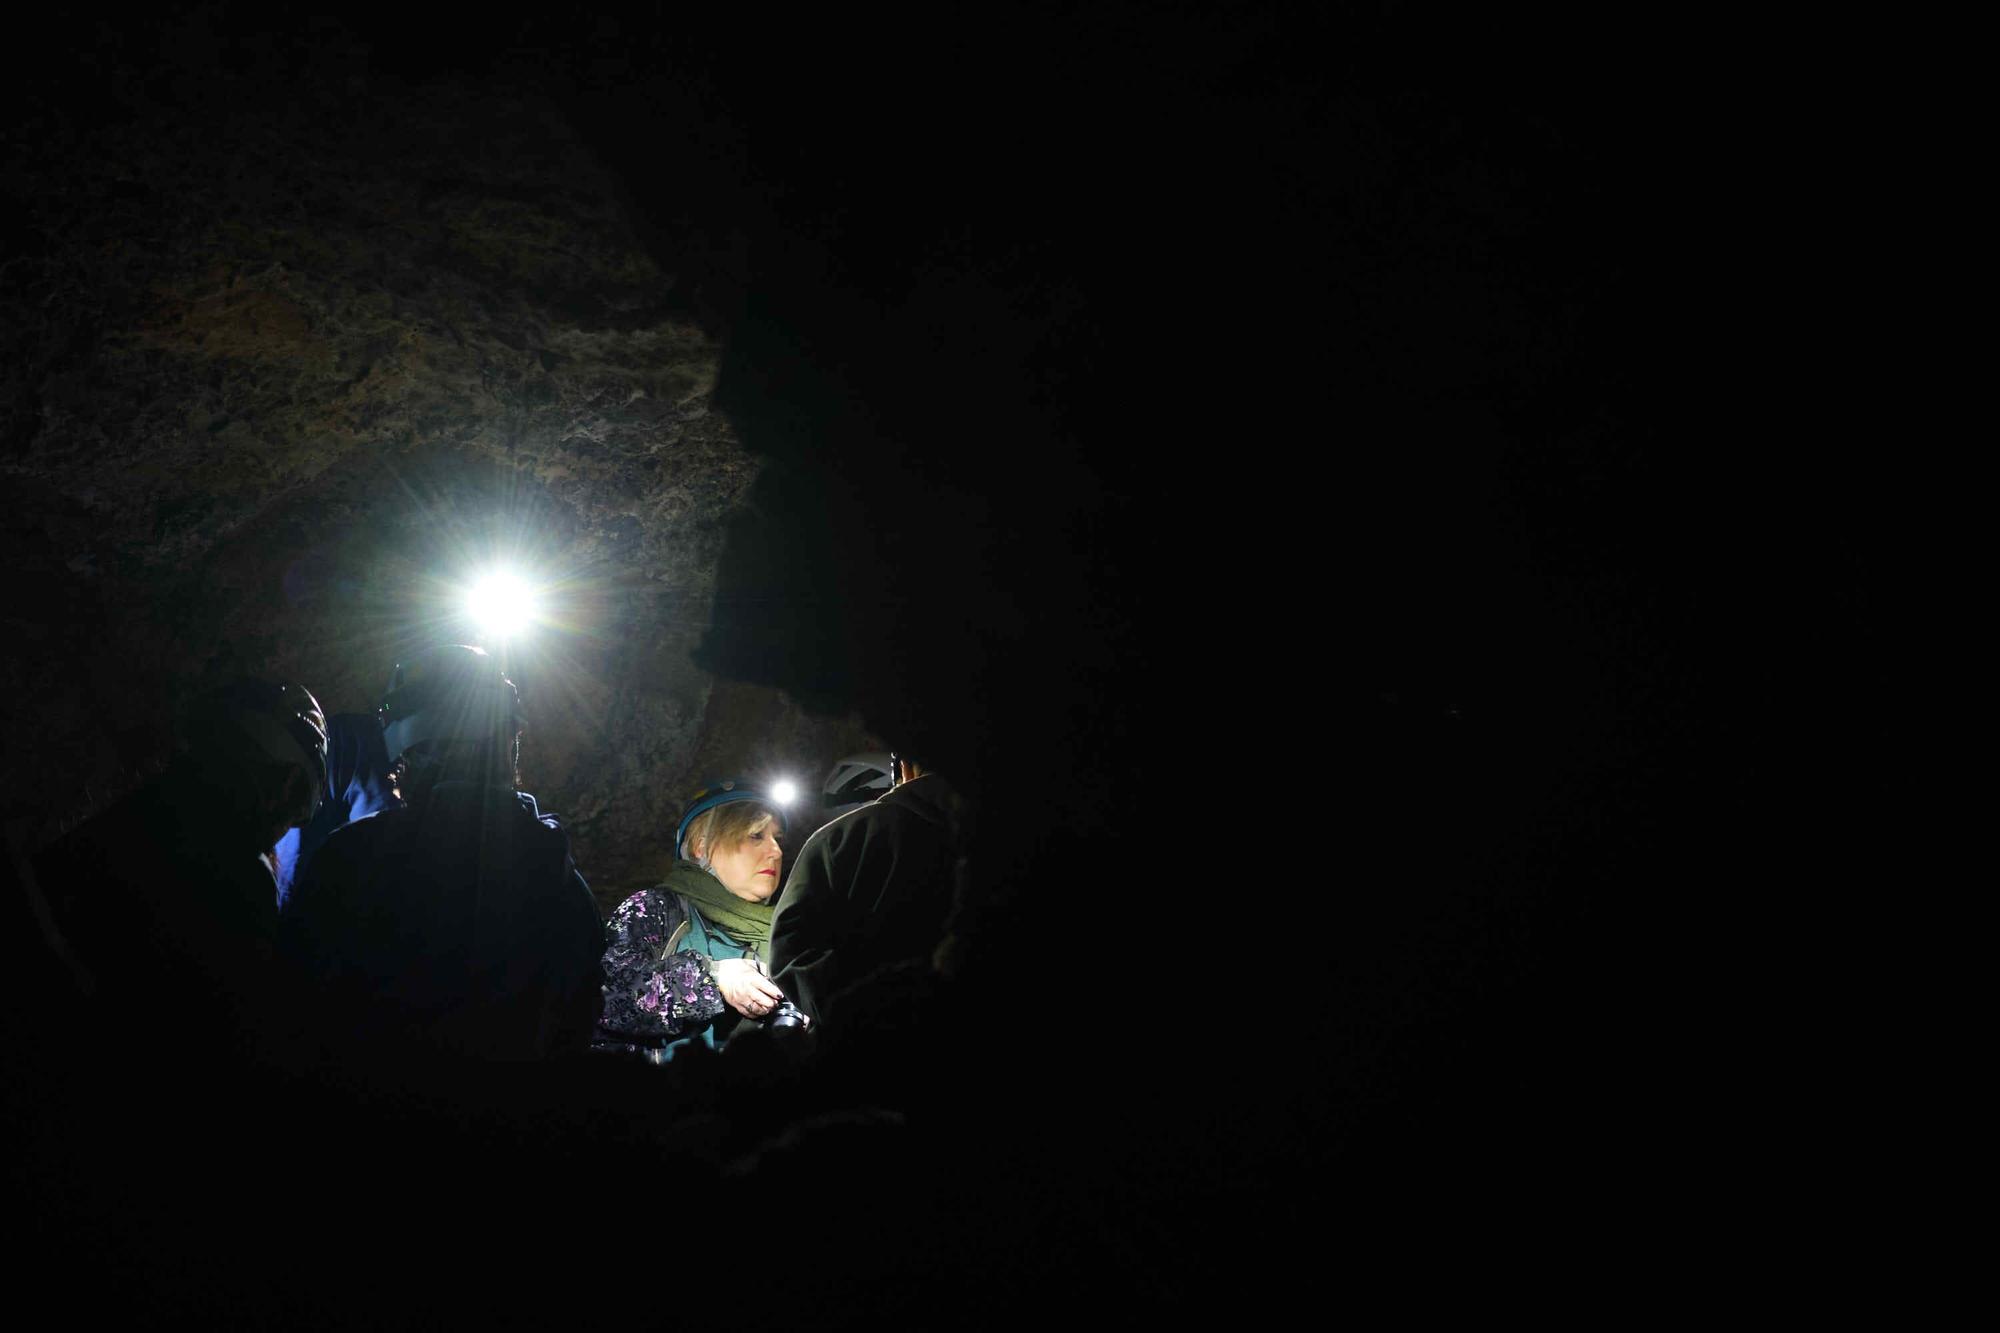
x,y
721,793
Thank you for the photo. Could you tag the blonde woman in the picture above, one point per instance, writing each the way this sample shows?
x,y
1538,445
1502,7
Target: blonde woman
x,y
685,958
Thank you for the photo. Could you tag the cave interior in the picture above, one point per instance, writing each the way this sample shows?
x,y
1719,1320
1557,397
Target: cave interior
x,y
1252,449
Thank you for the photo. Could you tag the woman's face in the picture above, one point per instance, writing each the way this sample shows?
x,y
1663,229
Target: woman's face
x,y
750,869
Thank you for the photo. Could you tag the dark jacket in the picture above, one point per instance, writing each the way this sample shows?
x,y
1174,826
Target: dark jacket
x,y
873,887
359,770
458,923
170,908
658,992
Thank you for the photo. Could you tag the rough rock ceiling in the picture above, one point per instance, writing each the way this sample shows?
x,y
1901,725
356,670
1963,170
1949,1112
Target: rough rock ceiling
x,y
281,373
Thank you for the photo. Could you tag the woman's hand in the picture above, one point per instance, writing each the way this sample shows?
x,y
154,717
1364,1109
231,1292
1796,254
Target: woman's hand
x,y
744,987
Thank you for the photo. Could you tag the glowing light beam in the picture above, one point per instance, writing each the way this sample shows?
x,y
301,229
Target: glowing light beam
x,y
502,605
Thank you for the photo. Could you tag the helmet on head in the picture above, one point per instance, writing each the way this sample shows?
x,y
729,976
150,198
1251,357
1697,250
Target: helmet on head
x,y
259,719
721,793
855,781
454,693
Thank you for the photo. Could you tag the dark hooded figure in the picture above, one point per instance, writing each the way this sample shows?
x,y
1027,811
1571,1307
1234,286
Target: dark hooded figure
x,y
167,900
456,924
361,782
871,889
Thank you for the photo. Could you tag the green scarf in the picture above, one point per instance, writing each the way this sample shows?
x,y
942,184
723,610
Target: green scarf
x,y
745,922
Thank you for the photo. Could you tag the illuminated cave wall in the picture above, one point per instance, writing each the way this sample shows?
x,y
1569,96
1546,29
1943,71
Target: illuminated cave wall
x,y
281,363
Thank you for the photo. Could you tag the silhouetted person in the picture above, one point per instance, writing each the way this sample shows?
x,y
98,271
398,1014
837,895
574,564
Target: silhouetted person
x,y
361,782
870,889
167,899
458,923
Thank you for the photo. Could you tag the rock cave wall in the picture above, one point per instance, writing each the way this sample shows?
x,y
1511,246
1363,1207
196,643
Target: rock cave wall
x,y
285,361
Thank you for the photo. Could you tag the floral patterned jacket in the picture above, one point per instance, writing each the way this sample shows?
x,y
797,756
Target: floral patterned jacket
x,y
652,996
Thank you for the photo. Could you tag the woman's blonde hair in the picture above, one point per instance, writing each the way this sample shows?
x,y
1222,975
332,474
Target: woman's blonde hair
x,y
724,826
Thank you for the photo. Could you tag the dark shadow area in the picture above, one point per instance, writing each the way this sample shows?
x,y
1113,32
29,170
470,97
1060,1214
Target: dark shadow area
x,y
1173,409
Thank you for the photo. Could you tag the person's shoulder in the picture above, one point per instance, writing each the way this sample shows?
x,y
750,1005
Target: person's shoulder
x,y
657,903
657,898
843,827
368,829
647,918
346,852
521,814
927,795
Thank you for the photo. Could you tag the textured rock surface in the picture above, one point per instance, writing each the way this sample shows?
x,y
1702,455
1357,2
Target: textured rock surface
x,y
284,368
